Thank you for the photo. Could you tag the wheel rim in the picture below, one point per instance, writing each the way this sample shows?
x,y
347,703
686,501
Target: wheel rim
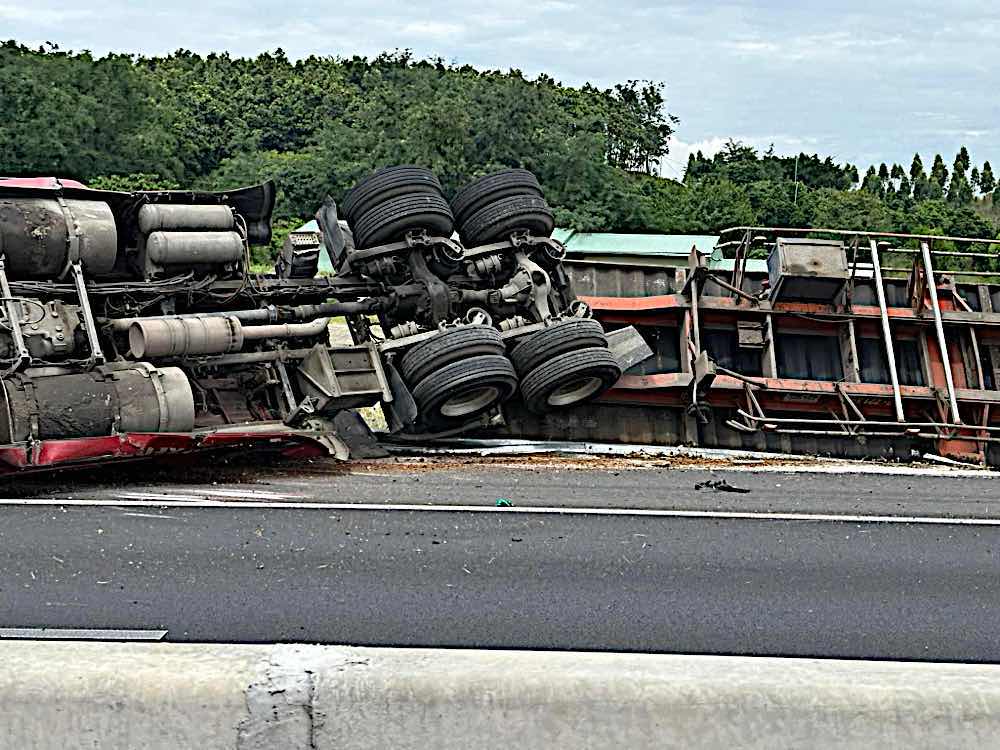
x,y
575,390
471,401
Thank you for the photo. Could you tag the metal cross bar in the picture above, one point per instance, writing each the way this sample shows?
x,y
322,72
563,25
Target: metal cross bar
x,y
738,292
869,423
855,233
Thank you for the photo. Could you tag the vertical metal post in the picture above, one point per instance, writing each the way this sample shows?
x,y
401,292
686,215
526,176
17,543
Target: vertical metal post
x,y
695,323
89,324
740,264
887,332
925,251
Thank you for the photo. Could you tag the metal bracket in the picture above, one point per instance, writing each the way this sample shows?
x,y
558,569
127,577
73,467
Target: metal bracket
x,y
301,412
286,387
541,285
413,240
89,324
11,307
73,237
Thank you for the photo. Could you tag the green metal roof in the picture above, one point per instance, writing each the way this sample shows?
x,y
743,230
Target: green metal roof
x,y
610,243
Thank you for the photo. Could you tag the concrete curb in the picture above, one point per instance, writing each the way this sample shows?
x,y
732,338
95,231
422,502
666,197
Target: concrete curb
x,y
124,695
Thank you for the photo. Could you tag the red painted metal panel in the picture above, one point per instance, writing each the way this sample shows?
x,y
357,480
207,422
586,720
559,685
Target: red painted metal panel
x,y
48,454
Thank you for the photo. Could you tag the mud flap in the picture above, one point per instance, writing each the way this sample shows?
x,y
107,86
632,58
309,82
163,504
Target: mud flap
x,y
354,432
401,412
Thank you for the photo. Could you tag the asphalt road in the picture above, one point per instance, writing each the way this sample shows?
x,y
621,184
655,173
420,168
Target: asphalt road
x,y
539,481
504,577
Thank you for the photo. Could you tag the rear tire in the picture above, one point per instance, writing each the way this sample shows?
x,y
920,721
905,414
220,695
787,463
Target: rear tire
x,y
395,217
565,336
387,183
465,389
493,187
569,380
449,346
500,219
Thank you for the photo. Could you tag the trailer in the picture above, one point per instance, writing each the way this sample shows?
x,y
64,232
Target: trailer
x,y
856,344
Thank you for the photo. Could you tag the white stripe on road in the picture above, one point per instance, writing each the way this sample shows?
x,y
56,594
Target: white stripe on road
x,y
81,634
524,509
205,494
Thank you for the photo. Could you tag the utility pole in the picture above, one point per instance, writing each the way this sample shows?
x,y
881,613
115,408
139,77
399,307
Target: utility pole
x,y
795,202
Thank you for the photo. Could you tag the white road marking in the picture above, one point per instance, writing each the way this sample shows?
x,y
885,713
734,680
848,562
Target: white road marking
x,y
525,509
82,634
201,494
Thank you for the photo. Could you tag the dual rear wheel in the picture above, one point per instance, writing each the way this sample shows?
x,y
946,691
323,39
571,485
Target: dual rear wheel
x,y
458,374
461,373
565,365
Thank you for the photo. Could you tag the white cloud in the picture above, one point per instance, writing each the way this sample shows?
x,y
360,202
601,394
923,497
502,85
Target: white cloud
x,y
432,29
41,15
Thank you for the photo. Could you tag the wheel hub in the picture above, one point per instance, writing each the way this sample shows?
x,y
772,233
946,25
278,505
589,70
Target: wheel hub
x,y
575,390
470,401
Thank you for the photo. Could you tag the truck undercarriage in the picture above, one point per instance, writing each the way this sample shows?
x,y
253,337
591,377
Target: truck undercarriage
x,y
133,325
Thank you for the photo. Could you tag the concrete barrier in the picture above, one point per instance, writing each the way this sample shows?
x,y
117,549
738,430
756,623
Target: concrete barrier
x,y
140,695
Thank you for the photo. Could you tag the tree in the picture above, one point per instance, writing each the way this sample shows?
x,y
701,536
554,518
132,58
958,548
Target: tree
x,y
80,116
987,182
962,161
872,183
904,191
638,128
852,209
938,178
960,191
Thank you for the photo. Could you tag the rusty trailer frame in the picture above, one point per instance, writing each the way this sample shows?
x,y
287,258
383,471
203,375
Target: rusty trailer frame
x,y
943,308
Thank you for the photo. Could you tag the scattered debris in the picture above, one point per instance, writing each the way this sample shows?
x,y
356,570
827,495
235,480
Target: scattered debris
x,y
933,458
719,485
503,502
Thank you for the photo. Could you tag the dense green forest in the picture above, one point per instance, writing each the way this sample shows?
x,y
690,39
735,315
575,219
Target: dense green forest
x,y
316,125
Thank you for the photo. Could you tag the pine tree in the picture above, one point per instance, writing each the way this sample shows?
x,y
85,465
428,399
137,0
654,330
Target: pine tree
x,y
962,160
904,188
987,182
959,189
974,180
692,168
895,186
938,179
919,184
872,183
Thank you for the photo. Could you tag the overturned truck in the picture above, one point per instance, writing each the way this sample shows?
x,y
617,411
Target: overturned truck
x,y
132,324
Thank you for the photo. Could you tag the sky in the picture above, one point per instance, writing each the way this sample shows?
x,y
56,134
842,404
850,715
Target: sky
x,y
861,81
